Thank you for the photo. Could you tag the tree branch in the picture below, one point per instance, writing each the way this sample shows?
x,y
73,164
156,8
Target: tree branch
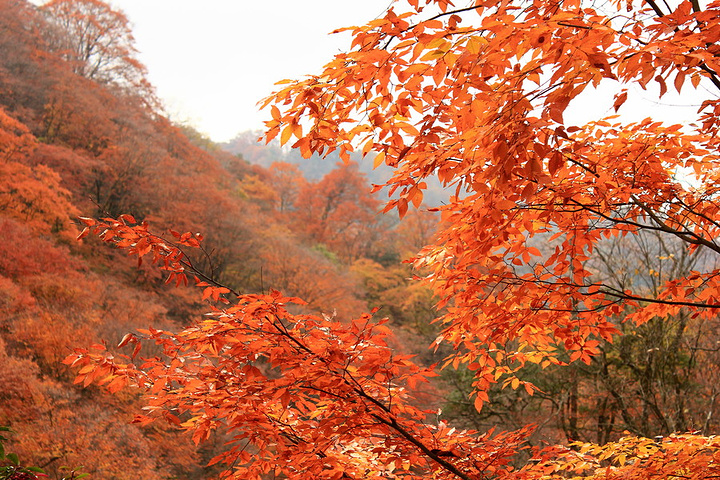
x,y
428,452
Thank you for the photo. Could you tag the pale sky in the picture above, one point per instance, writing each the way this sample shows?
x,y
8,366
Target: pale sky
x,y
213,60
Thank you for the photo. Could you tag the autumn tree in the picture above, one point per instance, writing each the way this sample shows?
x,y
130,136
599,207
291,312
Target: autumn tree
x,y
476,95
96,40
287,181
339,212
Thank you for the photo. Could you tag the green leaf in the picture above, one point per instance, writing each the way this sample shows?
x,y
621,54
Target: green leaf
x,y
13,458
82,475
2,452
35,469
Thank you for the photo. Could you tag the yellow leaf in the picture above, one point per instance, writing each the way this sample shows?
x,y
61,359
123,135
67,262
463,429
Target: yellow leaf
x,y
286,133
379,158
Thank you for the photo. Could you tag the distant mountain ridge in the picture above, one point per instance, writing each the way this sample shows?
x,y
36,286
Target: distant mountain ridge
x,y
254,151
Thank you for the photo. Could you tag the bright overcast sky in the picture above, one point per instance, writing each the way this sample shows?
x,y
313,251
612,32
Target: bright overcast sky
x,y
213,60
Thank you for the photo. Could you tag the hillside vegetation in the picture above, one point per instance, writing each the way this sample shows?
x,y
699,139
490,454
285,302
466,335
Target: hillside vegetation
x,y
76,140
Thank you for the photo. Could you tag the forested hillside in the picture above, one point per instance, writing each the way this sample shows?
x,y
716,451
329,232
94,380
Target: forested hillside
x,y
549,296
85,136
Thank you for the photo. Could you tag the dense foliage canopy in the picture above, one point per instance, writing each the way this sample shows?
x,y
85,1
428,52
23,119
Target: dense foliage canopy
x,y
476,95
